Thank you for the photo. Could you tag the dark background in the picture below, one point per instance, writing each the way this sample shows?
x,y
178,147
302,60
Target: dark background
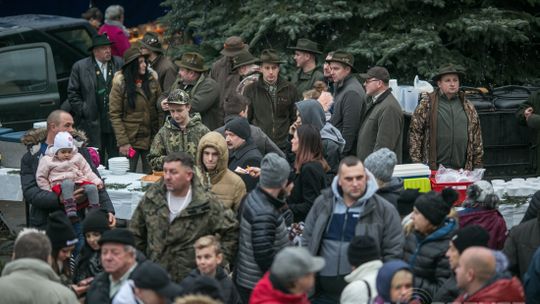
x,y
136,11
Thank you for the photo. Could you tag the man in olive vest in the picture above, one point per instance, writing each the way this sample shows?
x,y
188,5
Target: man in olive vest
x,y
305,56
88,95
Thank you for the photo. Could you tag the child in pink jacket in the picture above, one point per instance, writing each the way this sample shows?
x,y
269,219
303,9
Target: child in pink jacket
x,y
62,168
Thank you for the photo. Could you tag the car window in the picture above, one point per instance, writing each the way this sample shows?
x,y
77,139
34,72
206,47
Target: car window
x,y
78,38
23,71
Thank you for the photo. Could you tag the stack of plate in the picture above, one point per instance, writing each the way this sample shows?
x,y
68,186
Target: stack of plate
x,y
118,165
411,170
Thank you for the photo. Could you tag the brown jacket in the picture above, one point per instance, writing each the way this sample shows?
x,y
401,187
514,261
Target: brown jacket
x,y
423,133
134,126
228,187
166,71
226,78
274,120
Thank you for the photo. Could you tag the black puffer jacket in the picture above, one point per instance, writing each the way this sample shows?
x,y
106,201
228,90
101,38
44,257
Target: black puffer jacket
x,y
520,246
427,258
43,202
263,232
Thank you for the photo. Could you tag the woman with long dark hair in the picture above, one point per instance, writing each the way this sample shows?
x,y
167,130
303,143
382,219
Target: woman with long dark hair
x,y
132,108
310,169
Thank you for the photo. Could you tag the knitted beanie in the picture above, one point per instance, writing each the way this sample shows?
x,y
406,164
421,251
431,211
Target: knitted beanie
x,y
469,236
274,171
240,127
60,230
96,221
381,163
405,201
433,207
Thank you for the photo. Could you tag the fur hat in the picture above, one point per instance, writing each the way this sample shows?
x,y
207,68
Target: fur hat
x,y
481,193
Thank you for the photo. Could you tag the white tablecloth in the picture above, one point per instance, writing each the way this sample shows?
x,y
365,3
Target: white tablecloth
x,y
10,185
124,200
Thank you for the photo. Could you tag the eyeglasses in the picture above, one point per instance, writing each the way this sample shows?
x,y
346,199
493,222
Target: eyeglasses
x,y
371,80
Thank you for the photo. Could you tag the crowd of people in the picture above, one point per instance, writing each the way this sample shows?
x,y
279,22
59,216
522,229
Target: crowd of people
x,y
290,199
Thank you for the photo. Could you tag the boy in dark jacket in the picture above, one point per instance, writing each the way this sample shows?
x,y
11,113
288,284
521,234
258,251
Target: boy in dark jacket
x,y
208,257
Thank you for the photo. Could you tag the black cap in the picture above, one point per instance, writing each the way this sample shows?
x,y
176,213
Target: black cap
x,y
362,249
60,230
240,127
377,72
469,236
405,202
96,221
150,275
118,235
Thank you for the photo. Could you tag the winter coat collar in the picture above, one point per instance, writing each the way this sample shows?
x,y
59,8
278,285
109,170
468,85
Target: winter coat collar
x,y
200,202
343,82
394,184
363,270
36,266
242,150
35,137
194,120
448,227
280,83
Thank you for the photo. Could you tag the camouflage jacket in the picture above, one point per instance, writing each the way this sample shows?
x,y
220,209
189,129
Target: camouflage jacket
x,y
171,244
170,138
423,133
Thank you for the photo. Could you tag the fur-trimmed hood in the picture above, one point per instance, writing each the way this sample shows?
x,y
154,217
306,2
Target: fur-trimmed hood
x,y
34,137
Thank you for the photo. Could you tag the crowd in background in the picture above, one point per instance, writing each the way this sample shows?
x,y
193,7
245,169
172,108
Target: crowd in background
x,y
273,190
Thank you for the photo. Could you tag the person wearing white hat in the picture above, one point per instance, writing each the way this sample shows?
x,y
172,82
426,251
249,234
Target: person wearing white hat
x,y
62,168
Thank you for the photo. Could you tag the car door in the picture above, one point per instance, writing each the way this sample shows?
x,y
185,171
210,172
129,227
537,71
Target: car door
x,y
28,87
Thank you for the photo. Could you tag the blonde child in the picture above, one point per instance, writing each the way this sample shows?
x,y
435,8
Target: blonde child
x,y
208,257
